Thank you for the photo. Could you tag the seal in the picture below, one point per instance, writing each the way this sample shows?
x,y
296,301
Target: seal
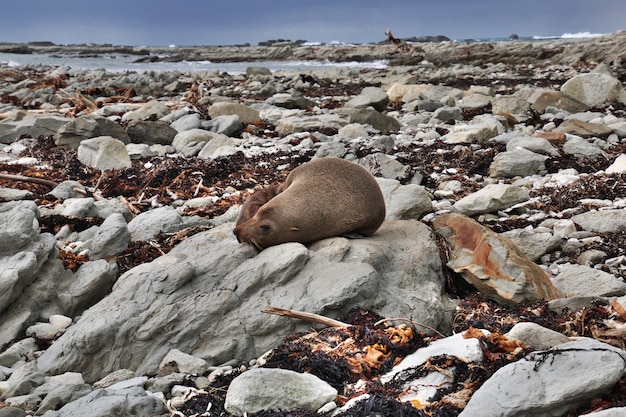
x,y
319,199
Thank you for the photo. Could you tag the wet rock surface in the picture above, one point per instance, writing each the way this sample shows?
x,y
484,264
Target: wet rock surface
x,y
499,267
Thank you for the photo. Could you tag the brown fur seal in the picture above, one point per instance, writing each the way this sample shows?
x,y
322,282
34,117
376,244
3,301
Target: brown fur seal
x,y
322,198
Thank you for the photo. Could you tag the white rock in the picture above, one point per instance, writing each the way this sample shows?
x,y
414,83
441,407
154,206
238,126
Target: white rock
x,y
618,166
104,153
186,363
276,389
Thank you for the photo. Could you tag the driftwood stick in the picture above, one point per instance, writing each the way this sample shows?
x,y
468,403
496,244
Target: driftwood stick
x,y
12,177
314,318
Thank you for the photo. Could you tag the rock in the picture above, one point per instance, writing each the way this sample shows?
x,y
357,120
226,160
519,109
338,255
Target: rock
x,y
492,263
246,114
581,148
375,119
18,226
38,272
114,377
408,92
520,162
555,138
219,145
12,194
151,132
113,403
139,151
91,282
447,113
112,237
150,223
353,131
46,125
568,375
470,133
579,280
184,140
602,221
293,124
397,272
151,110
22,384
584,129
49,331
87,127
388,167
618,166
331,149
609,412
66,190
229,125
533,243
591,257
12,130
535,336
404,202
18,351
184,363
78,207
534,144
276,390
12,412
258,71
510,104
425,388
62,394
491,198
545,99
474,100
289,101
104,153
595,89
374,97
187,122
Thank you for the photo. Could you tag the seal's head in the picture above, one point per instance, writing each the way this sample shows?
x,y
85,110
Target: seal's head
x,y
263,229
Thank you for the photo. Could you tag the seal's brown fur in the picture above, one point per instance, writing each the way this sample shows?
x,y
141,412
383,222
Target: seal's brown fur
x,y
322,198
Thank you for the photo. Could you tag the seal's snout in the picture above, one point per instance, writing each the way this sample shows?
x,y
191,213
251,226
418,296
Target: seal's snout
x,y
237,232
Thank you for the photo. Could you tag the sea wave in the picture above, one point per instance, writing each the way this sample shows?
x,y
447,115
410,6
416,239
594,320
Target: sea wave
x,y
578,35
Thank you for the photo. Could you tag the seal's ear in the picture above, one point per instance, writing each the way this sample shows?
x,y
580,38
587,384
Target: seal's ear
x,y
294,229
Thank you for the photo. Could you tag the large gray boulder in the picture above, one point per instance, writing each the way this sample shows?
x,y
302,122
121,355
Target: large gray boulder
x,y
205,297
595,89
549,383
87,127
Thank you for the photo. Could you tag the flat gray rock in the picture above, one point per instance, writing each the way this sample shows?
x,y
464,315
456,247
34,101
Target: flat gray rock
x,y
550,382
205,297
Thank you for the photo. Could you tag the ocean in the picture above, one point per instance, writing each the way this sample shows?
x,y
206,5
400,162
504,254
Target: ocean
x,y
124,63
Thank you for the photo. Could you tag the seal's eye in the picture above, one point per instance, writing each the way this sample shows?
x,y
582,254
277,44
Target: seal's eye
x,y
265,228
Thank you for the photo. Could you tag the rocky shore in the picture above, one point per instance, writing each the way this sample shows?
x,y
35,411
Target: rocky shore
x,y
495,286
554,51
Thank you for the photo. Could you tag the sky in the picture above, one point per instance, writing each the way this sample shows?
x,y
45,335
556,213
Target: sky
x,y
213,22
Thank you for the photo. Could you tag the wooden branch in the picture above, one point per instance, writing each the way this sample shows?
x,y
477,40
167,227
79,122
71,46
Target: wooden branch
x,y
314,318
12,177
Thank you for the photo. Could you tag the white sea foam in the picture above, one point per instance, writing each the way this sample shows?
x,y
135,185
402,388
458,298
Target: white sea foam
x,y
578,35
581,35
